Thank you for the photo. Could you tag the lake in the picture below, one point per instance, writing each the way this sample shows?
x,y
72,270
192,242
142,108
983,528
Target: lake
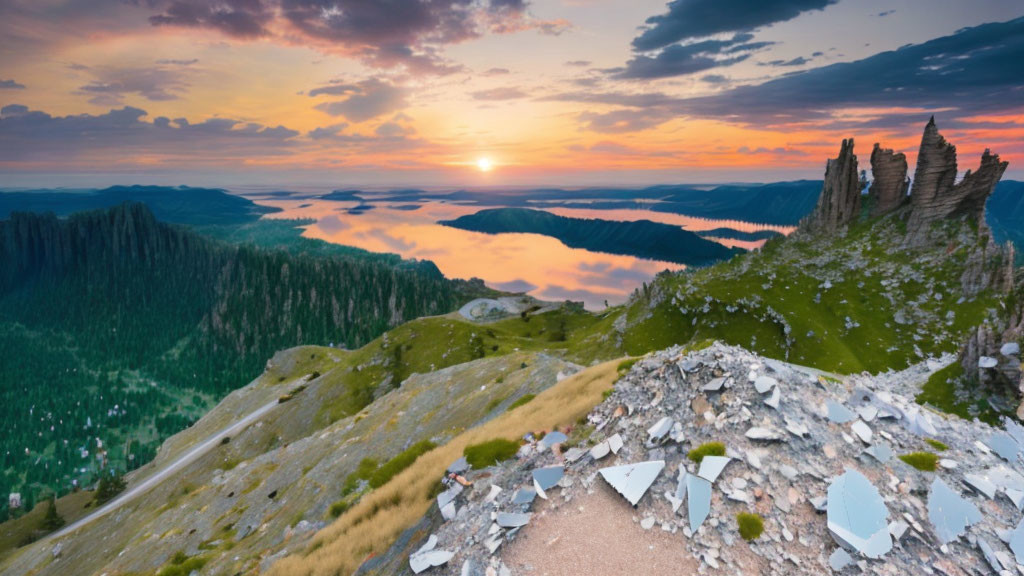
x,y
538,265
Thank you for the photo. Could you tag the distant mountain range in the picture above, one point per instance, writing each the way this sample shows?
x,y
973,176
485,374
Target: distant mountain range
x,y
174,204
643,238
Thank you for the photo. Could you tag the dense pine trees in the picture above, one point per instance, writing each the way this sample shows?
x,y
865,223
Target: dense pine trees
x,y
117,330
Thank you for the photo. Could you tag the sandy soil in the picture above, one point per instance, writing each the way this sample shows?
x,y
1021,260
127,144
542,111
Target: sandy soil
x,y
596,535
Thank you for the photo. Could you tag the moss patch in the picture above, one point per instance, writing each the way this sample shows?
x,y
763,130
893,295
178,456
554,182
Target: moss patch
x,y
936,444
751,525
924,461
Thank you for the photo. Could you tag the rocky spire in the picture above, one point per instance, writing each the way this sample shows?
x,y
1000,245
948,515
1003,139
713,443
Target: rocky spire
x,y
839,203
889,174
936,195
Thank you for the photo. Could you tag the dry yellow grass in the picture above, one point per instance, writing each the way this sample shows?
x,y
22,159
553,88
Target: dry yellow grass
x,y
373,525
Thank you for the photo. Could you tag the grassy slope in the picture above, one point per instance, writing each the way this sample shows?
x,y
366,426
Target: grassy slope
x,y
750,300
378,519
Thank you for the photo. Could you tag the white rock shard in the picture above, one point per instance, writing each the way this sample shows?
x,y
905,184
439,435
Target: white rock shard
x,y
857,515
633,480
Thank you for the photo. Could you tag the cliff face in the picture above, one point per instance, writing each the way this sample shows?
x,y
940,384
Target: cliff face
x,y
935,194
839,203
888,190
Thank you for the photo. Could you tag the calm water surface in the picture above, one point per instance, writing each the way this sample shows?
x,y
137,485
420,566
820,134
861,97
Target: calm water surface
x,y
538,265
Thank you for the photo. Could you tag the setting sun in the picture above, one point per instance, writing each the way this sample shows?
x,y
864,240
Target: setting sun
x,y
484,164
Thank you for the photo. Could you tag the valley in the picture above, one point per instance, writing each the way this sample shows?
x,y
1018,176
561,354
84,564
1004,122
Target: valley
x,y
346,459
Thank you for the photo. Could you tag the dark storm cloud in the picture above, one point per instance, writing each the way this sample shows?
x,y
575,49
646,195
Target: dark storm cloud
x,y
33,135
11,85
364,100
683,59
498,94
971,71
237,18
690,19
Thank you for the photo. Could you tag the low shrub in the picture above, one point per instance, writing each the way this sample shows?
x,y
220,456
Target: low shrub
x,y
751,525
490,453
405,459
525,398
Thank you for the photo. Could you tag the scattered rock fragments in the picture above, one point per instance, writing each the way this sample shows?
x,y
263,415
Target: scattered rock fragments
x,y
428,557
831,495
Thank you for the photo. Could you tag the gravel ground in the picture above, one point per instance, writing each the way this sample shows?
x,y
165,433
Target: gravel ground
x,y
597,534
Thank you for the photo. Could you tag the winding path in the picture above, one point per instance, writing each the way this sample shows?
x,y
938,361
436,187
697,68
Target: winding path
x,y
192,455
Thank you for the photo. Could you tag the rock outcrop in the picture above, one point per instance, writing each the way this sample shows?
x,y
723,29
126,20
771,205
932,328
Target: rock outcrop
x,y
936,196
888,190
839,203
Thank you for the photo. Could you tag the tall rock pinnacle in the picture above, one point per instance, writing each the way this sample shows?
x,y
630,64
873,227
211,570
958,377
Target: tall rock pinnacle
x,y
936,195
889,187
839,203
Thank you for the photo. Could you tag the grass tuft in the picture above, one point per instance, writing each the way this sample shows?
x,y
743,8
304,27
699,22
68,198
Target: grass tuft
x,y
936,444
706,449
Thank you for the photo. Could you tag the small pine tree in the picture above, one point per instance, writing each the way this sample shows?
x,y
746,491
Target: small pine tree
x,y
52,520
110,485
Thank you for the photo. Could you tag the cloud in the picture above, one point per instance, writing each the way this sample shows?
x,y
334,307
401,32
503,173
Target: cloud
x,y
409,33
497,72
122,135
885,13
236,18
364,100
690,19
11,85
798,61
683,59
110,84
497,94
578,63
621,121
715,79
968,70
393,130
516,286
964,73
173,62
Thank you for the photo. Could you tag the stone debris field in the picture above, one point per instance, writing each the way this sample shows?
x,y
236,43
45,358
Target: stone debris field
x,y
844,477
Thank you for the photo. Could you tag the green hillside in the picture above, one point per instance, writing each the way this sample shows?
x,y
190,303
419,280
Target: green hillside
x,y
643,238
129,329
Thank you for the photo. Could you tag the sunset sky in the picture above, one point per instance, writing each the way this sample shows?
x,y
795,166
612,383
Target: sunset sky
x,y
433,92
